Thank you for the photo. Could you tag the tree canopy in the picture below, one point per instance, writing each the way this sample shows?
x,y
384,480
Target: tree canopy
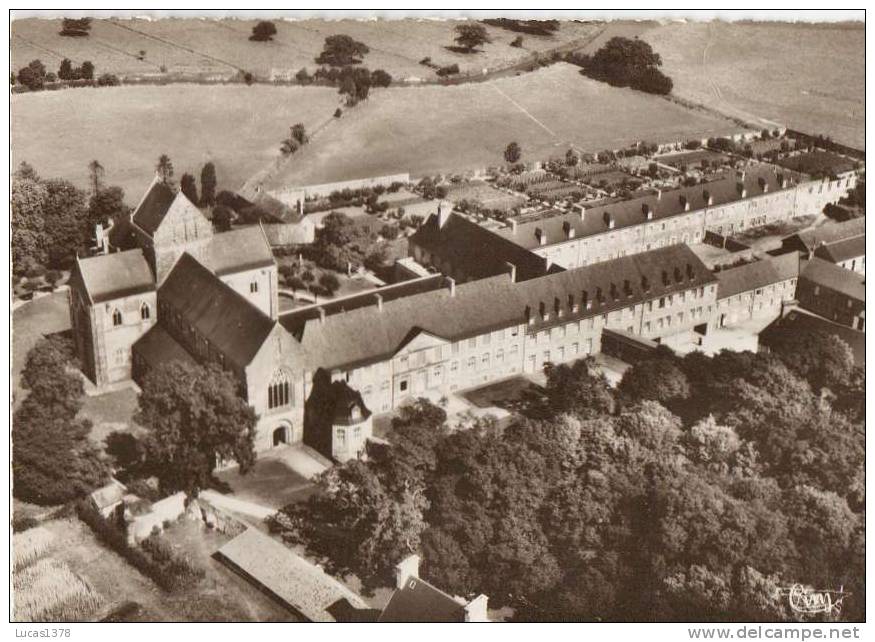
x,y
471,36
263,31
626,62
341,50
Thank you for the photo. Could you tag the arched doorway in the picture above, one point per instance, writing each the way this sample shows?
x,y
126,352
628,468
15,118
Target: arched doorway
x,y
280,436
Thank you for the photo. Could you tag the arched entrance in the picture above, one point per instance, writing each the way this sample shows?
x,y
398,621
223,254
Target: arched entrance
x,y
280,436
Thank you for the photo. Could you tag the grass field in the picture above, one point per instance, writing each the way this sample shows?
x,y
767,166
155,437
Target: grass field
x,y
808,77
445,129
222,47
237,127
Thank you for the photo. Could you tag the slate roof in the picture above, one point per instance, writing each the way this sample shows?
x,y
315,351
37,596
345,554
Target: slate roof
x,y
842,250
232,324
158,347
829,275
832,232
419,601
110,276
631,212
367,334
153,206
474,250
751,276
301,585
797,320
241,249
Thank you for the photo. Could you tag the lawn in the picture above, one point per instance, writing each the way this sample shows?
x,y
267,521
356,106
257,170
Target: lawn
x,y
426,130
222,47
32,321
809,77
238,128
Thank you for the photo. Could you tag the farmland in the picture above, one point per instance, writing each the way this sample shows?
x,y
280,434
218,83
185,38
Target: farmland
x,y
434,129
809,77
126,128
222,47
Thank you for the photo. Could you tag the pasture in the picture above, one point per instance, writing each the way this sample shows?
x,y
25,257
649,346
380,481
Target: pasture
x,y
127,128
809,77
433,129
222,47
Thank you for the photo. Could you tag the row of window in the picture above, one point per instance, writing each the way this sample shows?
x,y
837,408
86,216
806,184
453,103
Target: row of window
x,y
118,319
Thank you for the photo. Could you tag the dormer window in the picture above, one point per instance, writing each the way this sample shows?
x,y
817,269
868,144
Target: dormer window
x,y
645,284
598,295
584,298
542,309
627,287
690,274
116,317
664,277
678,275
614,294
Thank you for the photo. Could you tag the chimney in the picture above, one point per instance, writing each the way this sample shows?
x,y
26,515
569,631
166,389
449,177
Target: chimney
x,y
568,229
764,185
541,235
742,190
405,569
443,212
582,210
648,212
685,204
782,181
512,269
609,220
690,274
513,225
322,315
452,285
708,198
659,195
379,301
475,610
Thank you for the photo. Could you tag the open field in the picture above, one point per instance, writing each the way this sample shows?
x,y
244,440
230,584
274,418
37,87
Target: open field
x,y
433,129
237,127
811,78
222,48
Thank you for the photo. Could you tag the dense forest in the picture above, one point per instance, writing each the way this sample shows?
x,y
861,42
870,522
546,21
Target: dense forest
x,y
701,488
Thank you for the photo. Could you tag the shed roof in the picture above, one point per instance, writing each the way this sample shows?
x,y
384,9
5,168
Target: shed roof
x,y
303,586
835,278
220,314
111,276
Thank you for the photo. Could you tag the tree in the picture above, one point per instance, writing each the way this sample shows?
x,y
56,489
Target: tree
x,y
512,153
578,388
28,236
208,185
95,176
263,31
222,217
342,50
65,71
66,228
471,36
819,357
165,169
107,205
658,379
195,418
380,78
571,158
52,460
33,76
87,70
299,133
303,77
330,282
75,27
625,62
188,186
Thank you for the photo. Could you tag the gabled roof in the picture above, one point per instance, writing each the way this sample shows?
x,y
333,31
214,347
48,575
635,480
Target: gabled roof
x,y
220,314
832,232
842,250
370,334
475,251
631,212
111,276
798,320
419,601
751,276
835,278
301,585
241,249
153,206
